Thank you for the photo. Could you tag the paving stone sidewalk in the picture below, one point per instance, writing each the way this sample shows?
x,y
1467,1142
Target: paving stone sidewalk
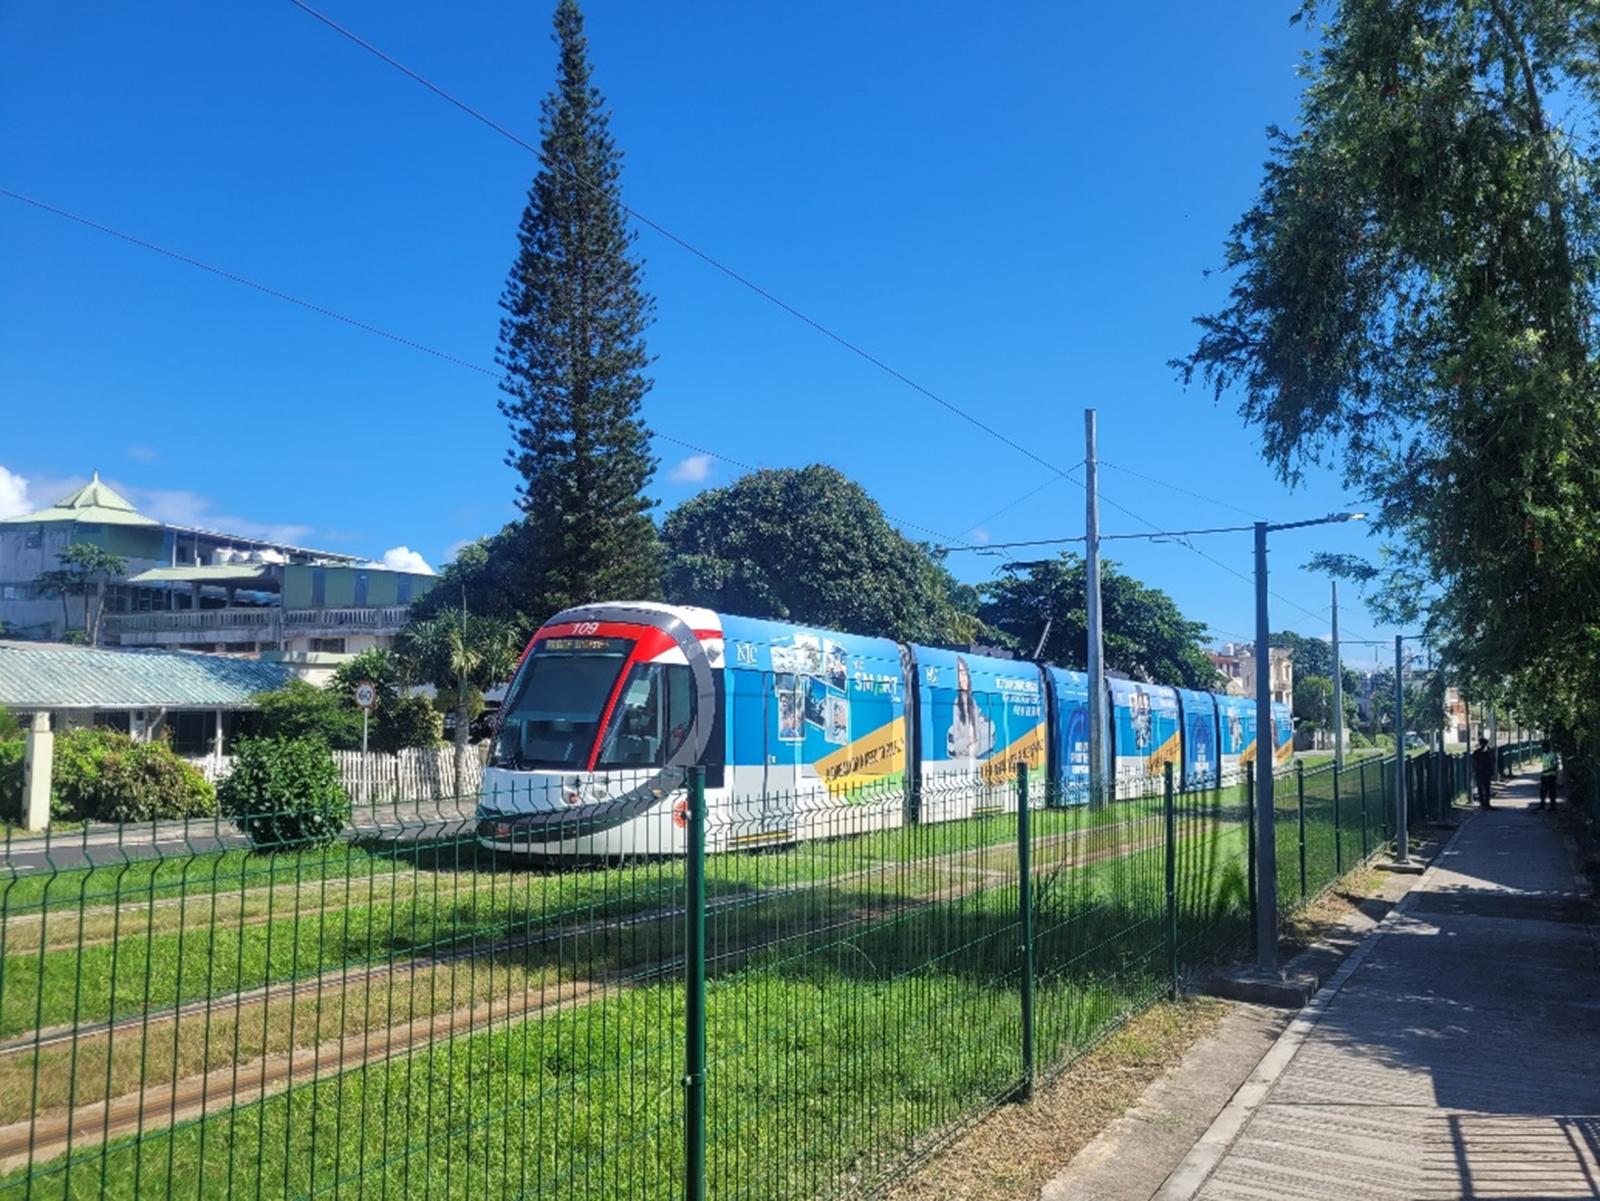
x,y
1460,1057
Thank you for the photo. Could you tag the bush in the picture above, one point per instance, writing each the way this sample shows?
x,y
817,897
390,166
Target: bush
x,y
147,782
12,754
10,727
103,775
285,792
1359,741
405,721
301,710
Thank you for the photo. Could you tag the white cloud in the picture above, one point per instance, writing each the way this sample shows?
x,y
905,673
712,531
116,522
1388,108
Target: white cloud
x,y
980,535
179,506
456,547
403,558
692,470
142,454
14,494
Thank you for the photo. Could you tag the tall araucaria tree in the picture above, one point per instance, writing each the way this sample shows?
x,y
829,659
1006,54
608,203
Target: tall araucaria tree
x,y
1414,302
572,348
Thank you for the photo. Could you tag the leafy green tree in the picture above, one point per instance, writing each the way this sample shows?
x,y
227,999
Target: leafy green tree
x,y
84,571
809,545
302,710
1144,633
1414,302
400,719
490,574
462,654
1313,703
572,348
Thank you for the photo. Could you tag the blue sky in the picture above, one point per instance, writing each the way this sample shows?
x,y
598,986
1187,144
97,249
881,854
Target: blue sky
x,y
1015,206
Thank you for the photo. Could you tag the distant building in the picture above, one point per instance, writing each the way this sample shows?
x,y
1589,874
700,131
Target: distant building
x,y
201,590
1236,661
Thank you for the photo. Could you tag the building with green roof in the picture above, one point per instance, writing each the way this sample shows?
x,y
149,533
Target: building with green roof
x,y
196,589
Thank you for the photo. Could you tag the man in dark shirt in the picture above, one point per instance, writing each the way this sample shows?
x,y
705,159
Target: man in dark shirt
x,y
1483,770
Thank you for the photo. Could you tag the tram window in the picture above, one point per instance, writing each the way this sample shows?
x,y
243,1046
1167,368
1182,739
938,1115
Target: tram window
x,y
652,717
553,714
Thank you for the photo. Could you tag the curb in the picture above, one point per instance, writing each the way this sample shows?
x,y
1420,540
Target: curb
x,y
1191,1174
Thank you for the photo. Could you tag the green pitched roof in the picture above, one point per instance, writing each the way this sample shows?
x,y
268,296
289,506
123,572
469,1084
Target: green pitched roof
x,y
52,676
93,502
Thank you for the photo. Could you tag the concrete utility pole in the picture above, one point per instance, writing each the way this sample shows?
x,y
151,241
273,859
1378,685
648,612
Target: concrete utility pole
x,y
1338,687
1401,849
1098,792
1266,827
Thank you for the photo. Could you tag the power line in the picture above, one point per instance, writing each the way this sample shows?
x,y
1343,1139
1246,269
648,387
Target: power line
x,y
364,326
232,277
704,256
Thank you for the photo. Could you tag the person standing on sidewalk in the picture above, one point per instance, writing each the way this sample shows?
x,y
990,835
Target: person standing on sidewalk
x,y
1483,770
1549,766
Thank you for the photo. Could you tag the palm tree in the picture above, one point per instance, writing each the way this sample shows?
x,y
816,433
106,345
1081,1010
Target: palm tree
x,y
461,654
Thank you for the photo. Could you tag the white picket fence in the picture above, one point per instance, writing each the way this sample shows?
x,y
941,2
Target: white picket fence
x,y
410,775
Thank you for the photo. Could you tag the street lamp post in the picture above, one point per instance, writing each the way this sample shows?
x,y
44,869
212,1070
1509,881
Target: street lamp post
x,y
1266,866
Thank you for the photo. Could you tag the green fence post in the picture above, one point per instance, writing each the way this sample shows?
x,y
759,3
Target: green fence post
x,y
1171,809
1250,852
1025,918
1300,804
1361,780
1338,829
694,1006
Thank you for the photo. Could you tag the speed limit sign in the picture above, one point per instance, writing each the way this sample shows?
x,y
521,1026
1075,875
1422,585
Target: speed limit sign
x,y
366,694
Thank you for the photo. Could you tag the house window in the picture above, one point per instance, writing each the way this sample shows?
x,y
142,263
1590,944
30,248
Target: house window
x,y
402,590
361,588
319,587
328,646
33,539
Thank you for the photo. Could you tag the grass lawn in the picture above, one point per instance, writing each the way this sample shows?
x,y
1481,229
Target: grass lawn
x,y
849,1024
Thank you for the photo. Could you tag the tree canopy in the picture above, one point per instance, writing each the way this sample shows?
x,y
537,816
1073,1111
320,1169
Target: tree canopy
x,y
1145,634
1413,304
809,545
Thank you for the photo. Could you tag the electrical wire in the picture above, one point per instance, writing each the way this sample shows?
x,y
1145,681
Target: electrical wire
x,y
747,282
376,330
1152,479
677,239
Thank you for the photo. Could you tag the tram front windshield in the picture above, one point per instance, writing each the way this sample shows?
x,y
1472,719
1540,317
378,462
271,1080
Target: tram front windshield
x,y
553,714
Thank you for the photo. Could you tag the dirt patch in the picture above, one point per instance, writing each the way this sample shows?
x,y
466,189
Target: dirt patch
x,y
1016,1150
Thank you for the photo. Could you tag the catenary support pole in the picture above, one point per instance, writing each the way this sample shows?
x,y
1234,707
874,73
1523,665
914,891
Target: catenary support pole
x,y
1338,687
1099,792
1266,832
1401,847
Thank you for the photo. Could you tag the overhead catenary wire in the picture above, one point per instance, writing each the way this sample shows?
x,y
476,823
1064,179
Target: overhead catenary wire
x,y
735,275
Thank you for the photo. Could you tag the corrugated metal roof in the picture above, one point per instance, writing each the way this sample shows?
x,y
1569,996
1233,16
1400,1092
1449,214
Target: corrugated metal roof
x,y
221,573
94,502
53,676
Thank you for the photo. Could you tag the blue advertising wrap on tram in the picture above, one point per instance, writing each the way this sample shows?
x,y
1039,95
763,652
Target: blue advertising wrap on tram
x,y
1070,736
1201,754
978,713
1145,733
809,705
1236,735
1283,734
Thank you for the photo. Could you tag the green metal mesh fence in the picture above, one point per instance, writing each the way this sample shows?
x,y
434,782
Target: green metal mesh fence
x,y
402,1013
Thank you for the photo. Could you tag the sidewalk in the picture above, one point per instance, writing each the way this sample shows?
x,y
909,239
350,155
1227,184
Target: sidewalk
x,y
1456,1054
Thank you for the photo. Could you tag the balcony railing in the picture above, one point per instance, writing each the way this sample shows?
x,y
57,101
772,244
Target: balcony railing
x,y
370,619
